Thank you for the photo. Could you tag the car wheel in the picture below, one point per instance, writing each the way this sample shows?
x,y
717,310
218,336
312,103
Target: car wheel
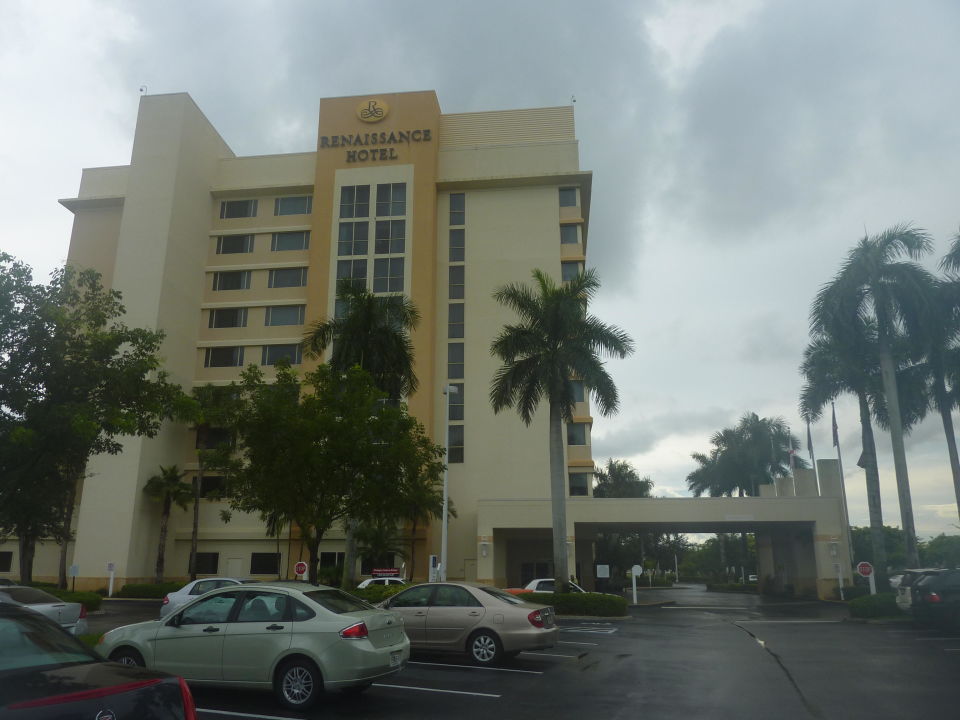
x,y
485,648
298,684
127,656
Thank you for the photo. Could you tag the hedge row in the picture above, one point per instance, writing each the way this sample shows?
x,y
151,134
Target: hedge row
x,y
147,590
596,604
374,594
90,600
871,606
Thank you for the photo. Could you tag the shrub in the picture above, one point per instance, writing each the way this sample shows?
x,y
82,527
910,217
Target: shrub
x,y
90,600
147,590
871,606
851,592
374,594
595,604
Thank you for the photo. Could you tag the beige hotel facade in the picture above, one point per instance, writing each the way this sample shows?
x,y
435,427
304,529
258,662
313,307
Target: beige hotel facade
x,y
233,257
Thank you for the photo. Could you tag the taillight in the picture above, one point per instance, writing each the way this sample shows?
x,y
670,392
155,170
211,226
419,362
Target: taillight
x,y
166,600
83,611
189,707
536,619
355,631
934,598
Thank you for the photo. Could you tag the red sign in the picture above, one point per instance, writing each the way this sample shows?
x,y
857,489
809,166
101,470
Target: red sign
x,y
864,569
385,572
300,568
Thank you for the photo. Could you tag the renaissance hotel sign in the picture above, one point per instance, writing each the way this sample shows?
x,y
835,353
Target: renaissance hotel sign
x,y
374,146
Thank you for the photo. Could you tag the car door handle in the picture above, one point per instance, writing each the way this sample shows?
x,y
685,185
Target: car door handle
x,y
211,629
274,627
474,613
419,614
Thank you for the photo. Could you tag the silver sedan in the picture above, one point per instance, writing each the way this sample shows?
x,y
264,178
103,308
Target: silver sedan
x,y
295,638
71,616
178,598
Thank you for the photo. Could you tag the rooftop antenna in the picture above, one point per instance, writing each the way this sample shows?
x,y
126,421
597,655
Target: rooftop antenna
x,y
143,89
573,99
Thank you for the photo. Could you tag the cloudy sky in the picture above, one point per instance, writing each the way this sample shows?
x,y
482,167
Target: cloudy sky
x,y
739,149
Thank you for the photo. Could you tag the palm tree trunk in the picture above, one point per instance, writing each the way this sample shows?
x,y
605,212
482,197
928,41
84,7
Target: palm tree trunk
x,y
162,546
28,547
195,534
413,548
348,580
723,551
888,374
943,403
877,540
312,541
558,498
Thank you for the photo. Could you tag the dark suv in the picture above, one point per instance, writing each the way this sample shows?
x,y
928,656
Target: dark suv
x,y
936,598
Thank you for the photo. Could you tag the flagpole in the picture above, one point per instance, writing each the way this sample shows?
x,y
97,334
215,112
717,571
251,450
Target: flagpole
x,y
843,485
813,459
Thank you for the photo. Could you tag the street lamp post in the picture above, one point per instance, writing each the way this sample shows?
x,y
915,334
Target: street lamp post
x,y
447,391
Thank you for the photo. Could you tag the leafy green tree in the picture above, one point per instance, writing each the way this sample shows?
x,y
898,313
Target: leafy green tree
x,y
894,545
319,450
371,332
874,282
74,379
619,479
168,489
554,342
941,551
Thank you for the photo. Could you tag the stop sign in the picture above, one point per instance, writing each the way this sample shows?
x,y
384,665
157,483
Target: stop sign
x,y
300,568
864,569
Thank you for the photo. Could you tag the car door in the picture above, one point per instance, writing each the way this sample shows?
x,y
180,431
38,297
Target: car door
x,y
259,633
412,605
453,614
190,643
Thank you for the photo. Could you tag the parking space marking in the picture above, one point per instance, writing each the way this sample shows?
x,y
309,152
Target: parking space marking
x,y
951,649
246,715
476,667
704,607
934,638
570,642
436,690
543,654
791,622
590,631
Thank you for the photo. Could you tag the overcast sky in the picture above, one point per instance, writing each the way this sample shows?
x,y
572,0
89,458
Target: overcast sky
x,y
739,149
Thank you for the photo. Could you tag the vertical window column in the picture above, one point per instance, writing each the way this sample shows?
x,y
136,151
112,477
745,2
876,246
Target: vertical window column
x,y
456,323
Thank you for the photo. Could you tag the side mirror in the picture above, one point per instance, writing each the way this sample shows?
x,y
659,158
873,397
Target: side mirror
x,y
174,621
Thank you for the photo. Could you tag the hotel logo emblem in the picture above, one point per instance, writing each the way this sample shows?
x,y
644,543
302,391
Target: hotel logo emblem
x,y
371,111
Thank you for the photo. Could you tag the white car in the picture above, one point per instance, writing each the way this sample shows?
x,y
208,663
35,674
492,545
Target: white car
x,y
193,589
381,581
548,585
71,616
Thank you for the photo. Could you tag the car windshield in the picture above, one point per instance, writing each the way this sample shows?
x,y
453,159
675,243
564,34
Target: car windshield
x,y
501,595
29,596
337,601
29,642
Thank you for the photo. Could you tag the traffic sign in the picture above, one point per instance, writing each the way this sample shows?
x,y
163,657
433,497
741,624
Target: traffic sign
x,y
864,569
300,568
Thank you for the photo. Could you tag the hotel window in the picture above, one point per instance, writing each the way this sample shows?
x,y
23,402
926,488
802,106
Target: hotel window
x,y
455,360
391,199
212,486
264,563
570,270
288,277
233,280
273,353
290,241
331,559
355,270
579,394
456,282
301,205
576,433
353,238
223,357
355,201
457,246
6,560
284,315
455,444
568,197
455,321
213,438
456,402
228,317
390,236
579,484
234,244
457,209
238,209
569,235
340,308
388,275
207,563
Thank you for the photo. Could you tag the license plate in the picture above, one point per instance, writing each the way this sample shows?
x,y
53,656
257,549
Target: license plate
x,y
395,658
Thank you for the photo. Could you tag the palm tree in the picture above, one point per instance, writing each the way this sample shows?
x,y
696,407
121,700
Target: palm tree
x,y
943,354
168,490
555,341
873,282
620,480
372,332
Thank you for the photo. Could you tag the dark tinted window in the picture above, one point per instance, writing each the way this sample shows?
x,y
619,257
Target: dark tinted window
x,y
337,601
264,563
273,353
301,205
228,317
288,277
501,595
569,235
568,197
262,607
207,562
215,609
29,596
6,560
355,201
414,597
238,208
284,315
458,245
233,244
33,641
301,612
454,596
290,241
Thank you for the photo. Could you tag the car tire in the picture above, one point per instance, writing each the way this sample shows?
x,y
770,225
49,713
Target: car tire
x,y
298,684
127,656
484,648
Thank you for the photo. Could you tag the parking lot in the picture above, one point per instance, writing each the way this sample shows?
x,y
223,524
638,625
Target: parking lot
x,y
706,655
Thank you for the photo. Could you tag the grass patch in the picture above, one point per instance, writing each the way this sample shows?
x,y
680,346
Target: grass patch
x,y
90,640
874,606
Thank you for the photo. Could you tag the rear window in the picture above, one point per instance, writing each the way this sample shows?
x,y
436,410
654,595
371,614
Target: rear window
x,y
29,596
501,595
30,642
337,601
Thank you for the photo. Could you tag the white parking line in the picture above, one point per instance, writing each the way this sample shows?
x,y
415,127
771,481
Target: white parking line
x,y
790,622
246,715
951,649
934,638
703,607
477,667
570,642
543,654
423,689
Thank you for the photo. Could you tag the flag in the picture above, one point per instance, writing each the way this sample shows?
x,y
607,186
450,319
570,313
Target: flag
x,y
836,436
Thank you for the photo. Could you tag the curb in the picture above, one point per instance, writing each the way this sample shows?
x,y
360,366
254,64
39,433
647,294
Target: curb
x,y
657,603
